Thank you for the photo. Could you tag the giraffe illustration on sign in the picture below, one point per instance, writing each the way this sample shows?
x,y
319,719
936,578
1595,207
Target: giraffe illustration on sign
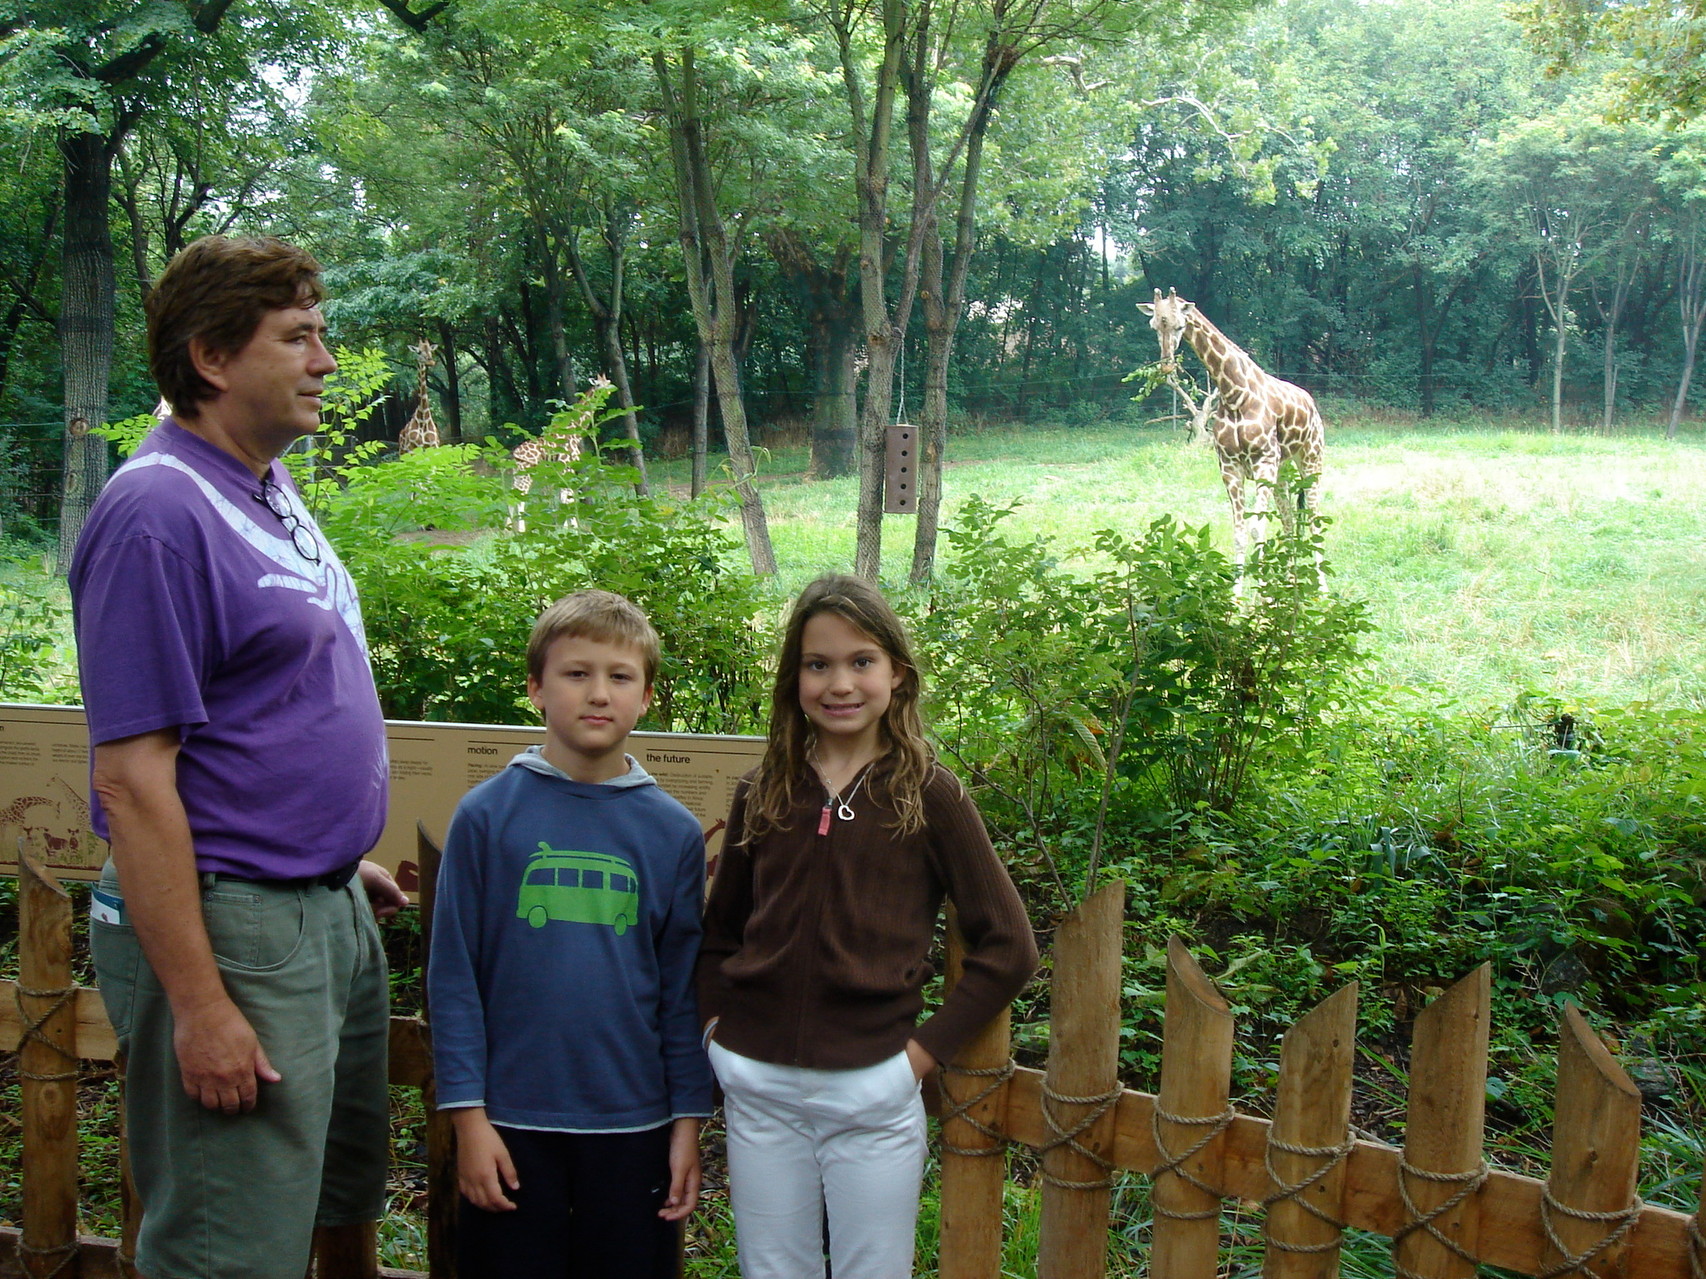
x,y
60,823
420,431
1259,423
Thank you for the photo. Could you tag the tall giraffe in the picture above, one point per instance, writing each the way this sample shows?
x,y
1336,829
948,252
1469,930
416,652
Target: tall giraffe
x,y
1259,423
420,431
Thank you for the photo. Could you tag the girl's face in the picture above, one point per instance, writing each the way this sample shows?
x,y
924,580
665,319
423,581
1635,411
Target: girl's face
x,y
847,680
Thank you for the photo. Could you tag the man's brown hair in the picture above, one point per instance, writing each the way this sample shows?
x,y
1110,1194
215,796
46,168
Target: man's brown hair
x,y
601,616
217,289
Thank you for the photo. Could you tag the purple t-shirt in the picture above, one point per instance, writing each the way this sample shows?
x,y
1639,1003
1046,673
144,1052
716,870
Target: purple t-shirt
x,y
194,610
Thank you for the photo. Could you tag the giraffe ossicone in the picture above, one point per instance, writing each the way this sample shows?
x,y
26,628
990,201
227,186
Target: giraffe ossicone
x,y
1258,423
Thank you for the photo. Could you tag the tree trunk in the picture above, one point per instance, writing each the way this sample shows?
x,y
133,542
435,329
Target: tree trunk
x,y
709,260
452,383
872,134
556,304
85,327
1691,298
835,410
701,419
607,319
943,305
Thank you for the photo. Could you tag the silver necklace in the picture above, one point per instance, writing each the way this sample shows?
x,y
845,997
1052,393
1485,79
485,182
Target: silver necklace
x,y
840,805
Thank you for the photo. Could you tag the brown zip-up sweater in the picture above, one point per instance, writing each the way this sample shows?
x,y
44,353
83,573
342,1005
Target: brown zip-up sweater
x,y
816,945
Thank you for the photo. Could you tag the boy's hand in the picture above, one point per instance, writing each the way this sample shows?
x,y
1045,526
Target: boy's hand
x,y
483,1165
683,1171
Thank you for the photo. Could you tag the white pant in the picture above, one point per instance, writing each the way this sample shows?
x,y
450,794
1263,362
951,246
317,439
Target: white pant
x,y
800,1140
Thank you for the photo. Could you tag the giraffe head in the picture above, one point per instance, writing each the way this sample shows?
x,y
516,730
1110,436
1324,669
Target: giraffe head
x,y
1167,318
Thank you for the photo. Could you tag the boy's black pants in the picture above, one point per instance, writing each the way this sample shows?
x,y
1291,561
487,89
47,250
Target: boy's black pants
x,y
587,1209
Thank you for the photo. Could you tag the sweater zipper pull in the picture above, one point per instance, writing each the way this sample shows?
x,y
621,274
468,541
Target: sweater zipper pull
x,y
823,822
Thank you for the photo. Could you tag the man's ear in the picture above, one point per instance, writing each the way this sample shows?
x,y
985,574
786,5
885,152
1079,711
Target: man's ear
x,y
210,363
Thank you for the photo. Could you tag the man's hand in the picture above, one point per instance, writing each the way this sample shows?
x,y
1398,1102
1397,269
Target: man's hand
x,y
382,891
220,1061
919,1058
219,1058
683,1170
483,1166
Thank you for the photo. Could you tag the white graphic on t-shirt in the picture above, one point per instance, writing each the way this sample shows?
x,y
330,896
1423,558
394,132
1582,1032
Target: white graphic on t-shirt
x,y
327,583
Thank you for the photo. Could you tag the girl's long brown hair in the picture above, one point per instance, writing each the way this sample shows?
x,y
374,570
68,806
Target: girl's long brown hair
x,y
786,772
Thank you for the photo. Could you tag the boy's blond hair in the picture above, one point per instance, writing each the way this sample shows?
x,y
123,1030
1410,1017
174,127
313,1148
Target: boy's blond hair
x,y
602,616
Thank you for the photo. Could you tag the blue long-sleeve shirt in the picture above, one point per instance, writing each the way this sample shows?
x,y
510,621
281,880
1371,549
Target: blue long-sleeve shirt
x,y
564,936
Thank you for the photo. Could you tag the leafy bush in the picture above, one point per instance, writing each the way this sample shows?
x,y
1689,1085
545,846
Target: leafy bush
x,y
1085,710
35,664
448,623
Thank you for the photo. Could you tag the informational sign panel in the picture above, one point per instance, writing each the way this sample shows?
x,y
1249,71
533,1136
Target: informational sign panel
x,y
44,781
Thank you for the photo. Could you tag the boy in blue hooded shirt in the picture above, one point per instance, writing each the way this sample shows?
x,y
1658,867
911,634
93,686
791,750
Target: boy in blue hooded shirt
x,y
565,1027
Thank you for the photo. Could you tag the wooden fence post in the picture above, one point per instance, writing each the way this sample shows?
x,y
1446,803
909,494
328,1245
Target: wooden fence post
x,y
1190,1113
1589,1203
347,1252
1309,1141
441,1189
47,1071
130,1205
1697,1236
1443,1166
1081,1088
974,1163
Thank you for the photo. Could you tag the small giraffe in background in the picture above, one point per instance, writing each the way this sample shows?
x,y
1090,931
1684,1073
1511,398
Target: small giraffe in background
x,y
420,432
563,444
1259,422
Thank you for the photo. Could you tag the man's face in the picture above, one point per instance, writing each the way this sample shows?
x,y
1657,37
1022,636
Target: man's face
x,y
271,386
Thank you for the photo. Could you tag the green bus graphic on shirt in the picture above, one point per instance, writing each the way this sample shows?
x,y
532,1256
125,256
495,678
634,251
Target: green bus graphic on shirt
x,y
579,888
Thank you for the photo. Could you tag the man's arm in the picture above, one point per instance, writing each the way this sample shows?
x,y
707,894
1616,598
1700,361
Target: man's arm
x,y
218,1054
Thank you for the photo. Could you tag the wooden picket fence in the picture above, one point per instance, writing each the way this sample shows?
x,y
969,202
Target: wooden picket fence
x,y
1436,1198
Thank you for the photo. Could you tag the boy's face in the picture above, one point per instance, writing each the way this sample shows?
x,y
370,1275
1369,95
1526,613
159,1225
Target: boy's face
x,y
591,694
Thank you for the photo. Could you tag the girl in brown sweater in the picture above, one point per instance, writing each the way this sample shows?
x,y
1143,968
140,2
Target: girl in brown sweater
x,y
841,848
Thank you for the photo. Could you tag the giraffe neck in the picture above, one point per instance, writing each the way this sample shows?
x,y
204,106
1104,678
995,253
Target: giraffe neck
x,y
1229,368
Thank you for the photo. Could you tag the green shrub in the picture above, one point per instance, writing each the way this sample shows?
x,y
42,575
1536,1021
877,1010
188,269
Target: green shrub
x,y
1088,712
36,663
448,623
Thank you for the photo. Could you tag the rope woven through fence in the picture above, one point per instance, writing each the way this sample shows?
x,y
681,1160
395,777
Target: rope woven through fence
x,y
66,1252
1334,1156
1696,1250
1575,1263
1467,1184
961,1110
1068,1137
61,996
1175,1164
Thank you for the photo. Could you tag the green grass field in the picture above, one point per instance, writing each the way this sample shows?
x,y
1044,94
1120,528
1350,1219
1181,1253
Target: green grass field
x,y
1492,559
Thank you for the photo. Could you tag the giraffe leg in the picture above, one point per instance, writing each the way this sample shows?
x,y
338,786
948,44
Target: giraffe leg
x,y
1264,477
1233,478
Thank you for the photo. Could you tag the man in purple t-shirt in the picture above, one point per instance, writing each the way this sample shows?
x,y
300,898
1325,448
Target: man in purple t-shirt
x,y
239,774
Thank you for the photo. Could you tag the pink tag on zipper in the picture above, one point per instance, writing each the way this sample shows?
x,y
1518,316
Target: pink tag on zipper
x,y
823,822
